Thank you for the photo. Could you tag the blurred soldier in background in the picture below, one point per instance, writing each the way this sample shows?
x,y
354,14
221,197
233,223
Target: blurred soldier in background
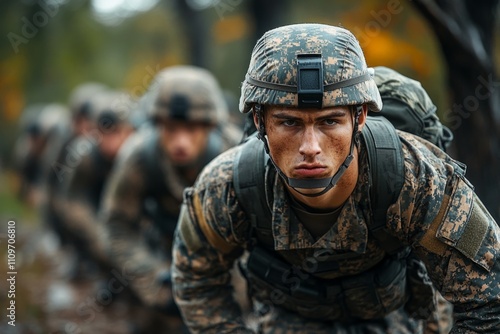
x,y
66,157
42,126
144,193
81,192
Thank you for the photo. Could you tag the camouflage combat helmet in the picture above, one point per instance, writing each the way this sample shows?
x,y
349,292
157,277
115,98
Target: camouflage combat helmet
x,y
44,119
187,93
408,106
111,108
53,118
308,65
79,100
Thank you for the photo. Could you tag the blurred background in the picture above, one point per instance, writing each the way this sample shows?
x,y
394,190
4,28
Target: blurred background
x,y
49,47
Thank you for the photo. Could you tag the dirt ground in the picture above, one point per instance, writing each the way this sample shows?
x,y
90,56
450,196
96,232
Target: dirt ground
x,y
49,299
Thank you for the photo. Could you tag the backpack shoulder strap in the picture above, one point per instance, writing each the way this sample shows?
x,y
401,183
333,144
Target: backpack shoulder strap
x,y
249,185
152,167
155,186
385,158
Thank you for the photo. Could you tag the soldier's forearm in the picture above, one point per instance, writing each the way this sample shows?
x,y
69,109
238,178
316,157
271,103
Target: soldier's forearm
x,y
479,310
208,308
481,320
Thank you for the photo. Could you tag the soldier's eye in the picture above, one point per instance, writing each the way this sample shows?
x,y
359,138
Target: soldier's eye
x,y
330,121
289,122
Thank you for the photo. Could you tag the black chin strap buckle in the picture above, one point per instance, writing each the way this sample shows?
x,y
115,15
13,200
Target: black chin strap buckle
x,y
310,80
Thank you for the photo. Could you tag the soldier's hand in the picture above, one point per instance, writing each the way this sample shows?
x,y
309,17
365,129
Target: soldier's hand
x,y
169,307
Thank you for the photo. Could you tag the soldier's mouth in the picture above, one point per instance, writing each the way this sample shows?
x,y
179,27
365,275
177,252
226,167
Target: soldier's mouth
x,y
310,172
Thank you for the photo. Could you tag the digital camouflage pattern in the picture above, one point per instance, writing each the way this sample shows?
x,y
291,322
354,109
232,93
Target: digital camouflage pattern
x,y
408,106
188,93
436,214
343,59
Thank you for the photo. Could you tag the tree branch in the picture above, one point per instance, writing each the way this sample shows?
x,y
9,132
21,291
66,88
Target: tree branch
x,y
466,37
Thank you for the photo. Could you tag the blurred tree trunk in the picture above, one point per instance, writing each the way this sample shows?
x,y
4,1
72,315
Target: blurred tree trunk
x,y
197,34
465,30
267,15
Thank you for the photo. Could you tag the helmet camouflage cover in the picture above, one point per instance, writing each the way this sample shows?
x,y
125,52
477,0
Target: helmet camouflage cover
x,y
326,60
79,101
110,108
187,93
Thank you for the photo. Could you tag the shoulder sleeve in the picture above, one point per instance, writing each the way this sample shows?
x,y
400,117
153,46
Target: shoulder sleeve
x,y
451,231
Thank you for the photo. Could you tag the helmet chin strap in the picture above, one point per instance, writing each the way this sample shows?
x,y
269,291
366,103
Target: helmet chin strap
x,y
325,183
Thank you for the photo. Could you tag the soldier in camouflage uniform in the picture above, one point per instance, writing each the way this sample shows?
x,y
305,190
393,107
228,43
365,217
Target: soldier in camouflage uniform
x,y
66,155
42,126
320,269
145,190
80,196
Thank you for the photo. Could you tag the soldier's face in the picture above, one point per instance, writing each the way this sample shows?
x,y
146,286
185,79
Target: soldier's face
x,y
309,143
112,140
82,126
184,142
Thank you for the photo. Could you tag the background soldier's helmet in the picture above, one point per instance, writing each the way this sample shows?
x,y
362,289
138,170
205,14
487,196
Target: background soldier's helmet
x,y
187,93
111,108
79,100
44,119
308,65
408,106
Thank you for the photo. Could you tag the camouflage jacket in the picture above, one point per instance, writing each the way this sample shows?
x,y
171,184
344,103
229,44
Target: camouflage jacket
x,y
437,214
141,205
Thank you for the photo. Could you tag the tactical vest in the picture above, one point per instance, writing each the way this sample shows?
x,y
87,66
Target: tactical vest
x,y
388,286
